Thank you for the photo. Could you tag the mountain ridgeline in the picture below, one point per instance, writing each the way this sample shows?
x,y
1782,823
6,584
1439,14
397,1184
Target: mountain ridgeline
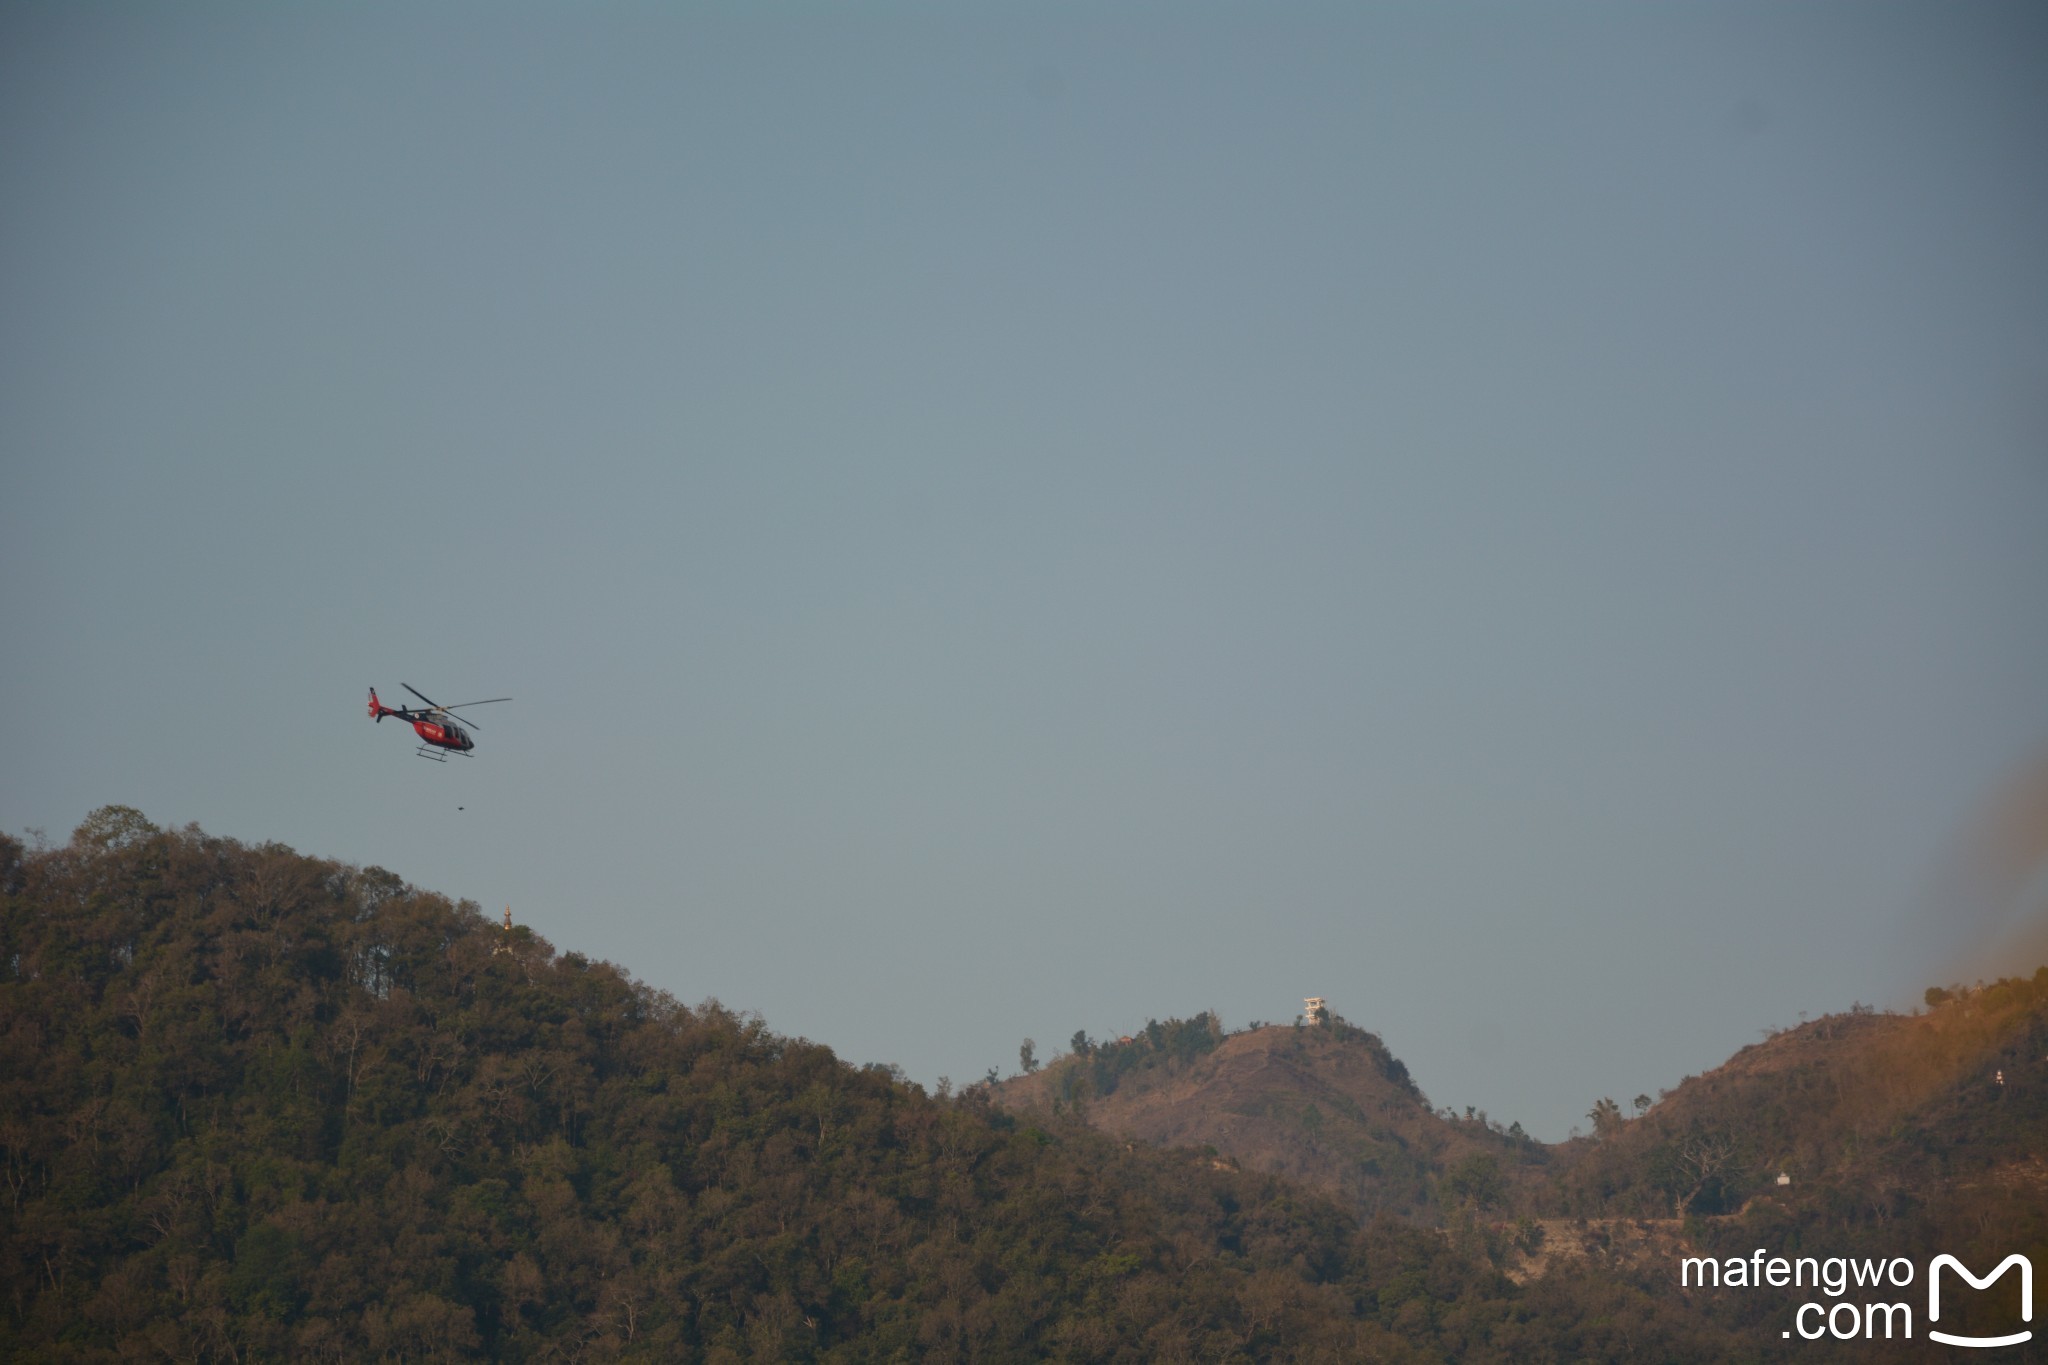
x,y
1899,1114
1863,1134
261,1106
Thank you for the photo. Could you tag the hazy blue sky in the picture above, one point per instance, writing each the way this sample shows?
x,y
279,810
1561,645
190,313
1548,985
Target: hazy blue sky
x,y
1530,522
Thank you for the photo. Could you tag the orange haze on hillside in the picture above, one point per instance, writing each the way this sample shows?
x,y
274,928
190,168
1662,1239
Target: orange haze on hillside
x,y
1992,902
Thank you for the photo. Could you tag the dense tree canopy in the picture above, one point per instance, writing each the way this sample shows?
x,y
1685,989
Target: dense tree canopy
x,y
262,1106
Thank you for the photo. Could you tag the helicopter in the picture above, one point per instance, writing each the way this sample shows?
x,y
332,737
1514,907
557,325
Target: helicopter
x,y
439,735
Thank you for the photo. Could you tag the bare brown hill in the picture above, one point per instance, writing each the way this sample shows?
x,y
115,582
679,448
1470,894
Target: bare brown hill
x,y
1324,1104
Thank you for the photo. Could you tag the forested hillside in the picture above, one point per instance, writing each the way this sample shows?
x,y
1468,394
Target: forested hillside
x,y
1894,1135
1871,1117
261,1106
1862,1134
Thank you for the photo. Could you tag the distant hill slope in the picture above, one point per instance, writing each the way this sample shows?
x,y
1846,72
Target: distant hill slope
x,y
1896,1135
1893,1114
1325,1104
1873,1119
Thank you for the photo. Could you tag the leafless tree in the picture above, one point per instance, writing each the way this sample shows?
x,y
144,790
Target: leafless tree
x,y
1702,1157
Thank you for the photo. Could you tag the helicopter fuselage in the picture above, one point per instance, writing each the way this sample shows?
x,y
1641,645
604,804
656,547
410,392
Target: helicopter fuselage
x,y
443,735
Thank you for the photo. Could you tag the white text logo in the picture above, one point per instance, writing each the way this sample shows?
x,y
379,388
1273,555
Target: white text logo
x,y
2026,1298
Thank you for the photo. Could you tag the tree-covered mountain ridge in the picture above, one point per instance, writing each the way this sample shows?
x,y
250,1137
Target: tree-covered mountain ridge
x,y
1865,1131
256,1105
1892,1106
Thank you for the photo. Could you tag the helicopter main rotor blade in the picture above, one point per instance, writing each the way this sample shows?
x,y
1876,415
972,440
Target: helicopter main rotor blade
x,y
447,711
465,719
421,695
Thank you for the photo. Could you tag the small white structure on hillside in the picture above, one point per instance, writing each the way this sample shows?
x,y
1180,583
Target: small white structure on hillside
x,y
1313,1008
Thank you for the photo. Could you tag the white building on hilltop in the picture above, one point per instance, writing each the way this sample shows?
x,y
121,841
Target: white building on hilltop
x,y
1313,1008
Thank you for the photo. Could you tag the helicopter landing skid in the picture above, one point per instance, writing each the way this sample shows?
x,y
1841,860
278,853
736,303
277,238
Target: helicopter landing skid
x,y
437,755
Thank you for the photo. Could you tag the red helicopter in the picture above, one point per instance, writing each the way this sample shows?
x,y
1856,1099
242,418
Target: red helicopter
x,y
439,735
